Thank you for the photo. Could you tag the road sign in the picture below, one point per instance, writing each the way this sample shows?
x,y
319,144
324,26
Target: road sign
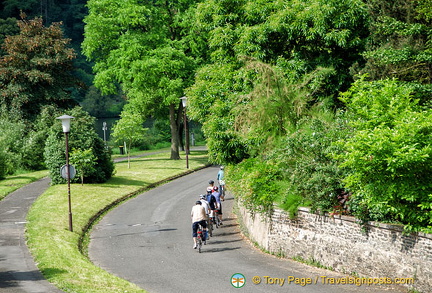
x,y
72,172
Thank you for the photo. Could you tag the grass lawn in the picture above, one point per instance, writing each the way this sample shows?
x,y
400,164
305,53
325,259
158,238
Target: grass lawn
x,y
12,183
55,248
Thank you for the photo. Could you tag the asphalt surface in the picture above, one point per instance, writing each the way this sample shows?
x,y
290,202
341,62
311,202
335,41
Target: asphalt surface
x,y
18,272
147,240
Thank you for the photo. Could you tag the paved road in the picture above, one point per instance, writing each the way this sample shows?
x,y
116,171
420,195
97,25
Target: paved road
x,y
147,240
18,272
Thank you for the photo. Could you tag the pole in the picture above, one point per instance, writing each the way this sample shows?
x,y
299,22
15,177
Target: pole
x,y
68,181
104,128
186,139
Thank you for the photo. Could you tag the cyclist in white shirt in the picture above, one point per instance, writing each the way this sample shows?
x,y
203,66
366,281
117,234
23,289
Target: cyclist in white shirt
x,y
199,217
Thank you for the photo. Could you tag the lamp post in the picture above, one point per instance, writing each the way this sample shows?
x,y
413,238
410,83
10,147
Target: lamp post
x,y
184,102
65,119
104,128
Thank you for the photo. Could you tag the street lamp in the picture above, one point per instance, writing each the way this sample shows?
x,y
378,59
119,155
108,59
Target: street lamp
x,y
104,128
184,102
65,119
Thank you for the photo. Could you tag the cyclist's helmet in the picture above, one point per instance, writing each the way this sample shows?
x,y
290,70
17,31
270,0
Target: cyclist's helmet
x,y
211,182
198,202
215,188
209,189
202,196
222,167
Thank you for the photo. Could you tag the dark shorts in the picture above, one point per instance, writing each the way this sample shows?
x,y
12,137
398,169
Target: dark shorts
x,y
220,209
203,223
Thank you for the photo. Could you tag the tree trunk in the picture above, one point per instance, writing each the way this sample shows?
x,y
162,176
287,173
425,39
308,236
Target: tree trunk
x,y
175,139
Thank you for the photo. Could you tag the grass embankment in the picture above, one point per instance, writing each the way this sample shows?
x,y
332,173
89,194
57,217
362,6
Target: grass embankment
x,y
12,183
55,248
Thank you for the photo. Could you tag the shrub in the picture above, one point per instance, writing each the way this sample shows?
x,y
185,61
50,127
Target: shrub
x,y
82,137
255,182
389,157
304,158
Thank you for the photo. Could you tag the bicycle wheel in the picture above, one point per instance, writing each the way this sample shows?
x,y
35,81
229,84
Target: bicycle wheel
x,y
199,238
210,228
215,222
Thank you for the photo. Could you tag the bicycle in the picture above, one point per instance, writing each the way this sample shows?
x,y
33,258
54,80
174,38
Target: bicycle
x,y
222,188
216,219
210,226
200,237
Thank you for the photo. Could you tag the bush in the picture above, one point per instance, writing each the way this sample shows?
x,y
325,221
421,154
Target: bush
x,y
389,157
255,182
82,136
3,166
304,158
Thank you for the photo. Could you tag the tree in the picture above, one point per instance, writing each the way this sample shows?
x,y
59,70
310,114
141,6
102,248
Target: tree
x,y
84,161
129,129
400,42
140,45
7,27
36,70
312,43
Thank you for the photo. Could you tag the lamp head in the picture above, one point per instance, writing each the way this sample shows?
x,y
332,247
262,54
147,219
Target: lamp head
x,y
184,101
65,119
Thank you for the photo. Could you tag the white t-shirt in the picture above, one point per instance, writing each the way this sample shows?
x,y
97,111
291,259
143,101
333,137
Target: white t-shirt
x,y
206,205
198,213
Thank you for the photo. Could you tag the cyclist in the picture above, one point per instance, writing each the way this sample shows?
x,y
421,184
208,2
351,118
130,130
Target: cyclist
x,y
199,217
206,206
212,201
211,186
220,178
218,197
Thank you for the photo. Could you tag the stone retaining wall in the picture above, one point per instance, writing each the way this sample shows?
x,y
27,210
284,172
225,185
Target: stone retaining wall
x,y
341,243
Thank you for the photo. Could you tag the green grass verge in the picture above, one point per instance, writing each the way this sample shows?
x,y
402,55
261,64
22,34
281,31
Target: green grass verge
x,y
12,183
55,248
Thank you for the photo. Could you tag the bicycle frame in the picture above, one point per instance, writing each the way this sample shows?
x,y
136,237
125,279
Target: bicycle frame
x,y
200,237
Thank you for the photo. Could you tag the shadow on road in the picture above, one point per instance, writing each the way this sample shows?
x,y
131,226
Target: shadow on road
x,y
11,279
206,249
214,242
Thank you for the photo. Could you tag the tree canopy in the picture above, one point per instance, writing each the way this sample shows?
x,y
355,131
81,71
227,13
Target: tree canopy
x,y
140,46
36,71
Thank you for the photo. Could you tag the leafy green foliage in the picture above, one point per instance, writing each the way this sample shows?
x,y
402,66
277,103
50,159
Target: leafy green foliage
x,y
146,55
255,182
11,142
8,27
389,157
309,171
129,129
82,137
84,161
400,41
267,63
36,71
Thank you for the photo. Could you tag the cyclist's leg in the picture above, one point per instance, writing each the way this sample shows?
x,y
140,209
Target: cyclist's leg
x,y
203,223
194,233
220,214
